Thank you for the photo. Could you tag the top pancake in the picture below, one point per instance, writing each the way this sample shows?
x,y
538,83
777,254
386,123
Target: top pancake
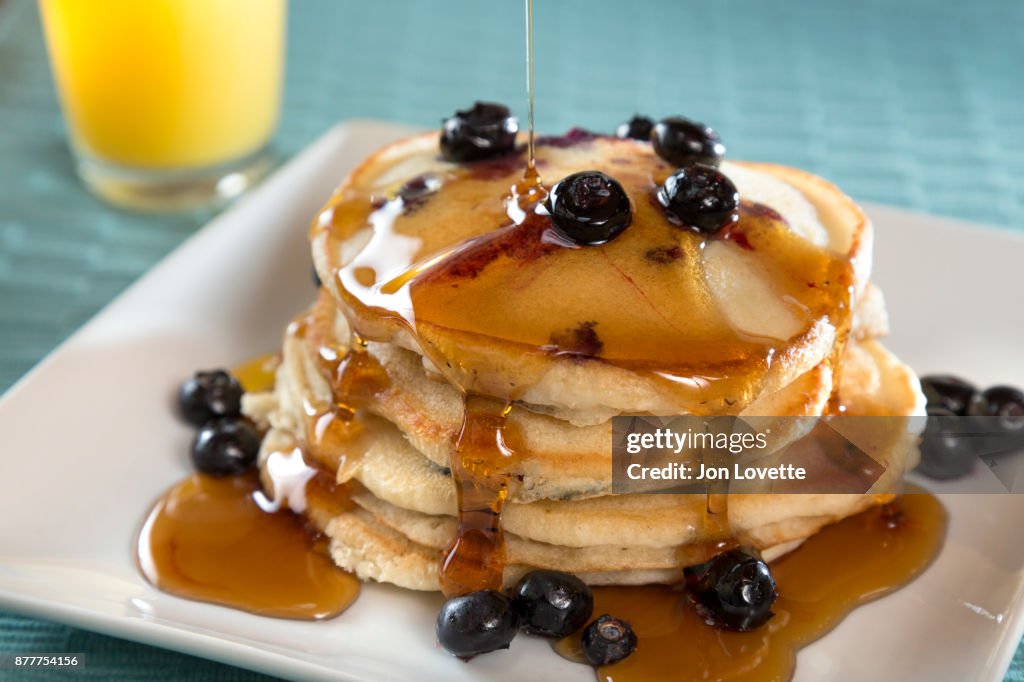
x,y
424,254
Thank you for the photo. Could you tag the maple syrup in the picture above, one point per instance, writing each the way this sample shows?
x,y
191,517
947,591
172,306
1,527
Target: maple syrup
x,y
531,161
354,377
480,467
257,375
209,539
527,193
845,565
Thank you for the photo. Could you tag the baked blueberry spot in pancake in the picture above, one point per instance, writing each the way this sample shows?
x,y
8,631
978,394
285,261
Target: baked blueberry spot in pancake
x,y
581,341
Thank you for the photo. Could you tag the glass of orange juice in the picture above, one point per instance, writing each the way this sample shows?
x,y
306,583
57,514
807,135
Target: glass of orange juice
x,y
169,104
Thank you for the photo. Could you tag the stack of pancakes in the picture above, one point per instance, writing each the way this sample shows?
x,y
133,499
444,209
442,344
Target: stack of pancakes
x,y
441,288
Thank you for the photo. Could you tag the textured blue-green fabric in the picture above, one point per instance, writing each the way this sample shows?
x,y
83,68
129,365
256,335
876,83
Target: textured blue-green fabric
x,y
911,102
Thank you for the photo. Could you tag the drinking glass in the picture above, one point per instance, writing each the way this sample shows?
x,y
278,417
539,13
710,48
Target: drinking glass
x,y
169,104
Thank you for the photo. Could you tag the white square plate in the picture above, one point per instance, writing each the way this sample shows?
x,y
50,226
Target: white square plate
x,y
89,440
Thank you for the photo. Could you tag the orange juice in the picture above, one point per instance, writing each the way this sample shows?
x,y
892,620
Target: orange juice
x,y
167,84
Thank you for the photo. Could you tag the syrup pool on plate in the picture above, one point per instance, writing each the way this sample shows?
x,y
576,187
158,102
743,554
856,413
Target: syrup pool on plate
x,y
221,540
208,539
845,565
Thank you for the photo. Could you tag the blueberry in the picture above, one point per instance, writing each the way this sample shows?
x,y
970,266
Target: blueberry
x,y
210,395
476,623
637,128
1004,402
948,392
946,452
225,446
735,590
681,142
701,197
589,208
552,603
484,131
608,640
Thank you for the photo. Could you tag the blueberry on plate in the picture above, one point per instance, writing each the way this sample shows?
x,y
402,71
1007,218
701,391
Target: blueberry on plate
x,y
608,640
552,603
210,394
637,128
1004,402
946,451
701,198
681,142
484,131
589,207
735,590
476,623
948,392
224,447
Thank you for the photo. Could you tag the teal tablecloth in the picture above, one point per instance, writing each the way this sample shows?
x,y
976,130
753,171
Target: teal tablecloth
x,y
911,102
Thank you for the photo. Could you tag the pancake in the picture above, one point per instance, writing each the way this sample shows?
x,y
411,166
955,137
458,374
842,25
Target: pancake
x,y
564,459
458,373
374,551
679,326
380,541
387,468
405,506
